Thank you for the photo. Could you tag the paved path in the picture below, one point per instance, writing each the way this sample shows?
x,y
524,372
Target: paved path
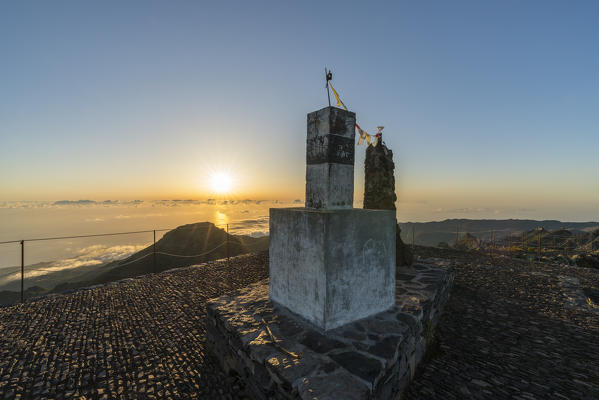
x,y
143,338
514,331
510,330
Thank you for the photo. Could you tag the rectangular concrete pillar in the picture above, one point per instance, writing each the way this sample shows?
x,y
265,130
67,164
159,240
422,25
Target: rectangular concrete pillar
x,y
330,159
332,267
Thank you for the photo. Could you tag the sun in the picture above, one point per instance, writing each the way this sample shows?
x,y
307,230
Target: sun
x,y
221,182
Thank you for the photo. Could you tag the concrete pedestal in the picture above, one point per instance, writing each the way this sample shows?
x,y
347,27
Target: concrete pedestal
x,y
332,267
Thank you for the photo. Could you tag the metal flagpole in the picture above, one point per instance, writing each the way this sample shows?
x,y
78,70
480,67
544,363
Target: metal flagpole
x,y
328,75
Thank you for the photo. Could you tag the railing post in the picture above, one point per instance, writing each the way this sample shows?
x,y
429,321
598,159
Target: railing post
x,y
457,234
539,246
227,246
154,250
22,271
229,274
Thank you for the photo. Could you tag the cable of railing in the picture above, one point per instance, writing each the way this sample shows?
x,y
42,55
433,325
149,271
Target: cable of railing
x,y
87,236
11,241
137,259
153,253
95,235
192,256
146,255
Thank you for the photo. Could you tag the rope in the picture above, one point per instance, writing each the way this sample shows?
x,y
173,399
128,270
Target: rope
x,y
103,234
146,255
86,236
197,255
11,241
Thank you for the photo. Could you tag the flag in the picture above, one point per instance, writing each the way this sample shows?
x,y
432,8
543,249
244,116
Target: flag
x,y
364,136
339,102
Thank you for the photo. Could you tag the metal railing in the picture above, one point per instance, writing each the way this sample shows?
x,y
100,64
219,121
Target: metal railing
x,y
153,253
508,244
539,242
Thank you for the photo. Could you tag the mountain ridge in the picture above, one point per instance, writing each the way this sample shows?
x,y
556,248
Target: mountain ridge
x,y
434,232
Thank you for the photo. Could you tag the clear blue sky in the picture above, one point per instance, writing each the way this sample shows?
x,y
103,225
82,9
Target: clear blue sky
x,y
491,108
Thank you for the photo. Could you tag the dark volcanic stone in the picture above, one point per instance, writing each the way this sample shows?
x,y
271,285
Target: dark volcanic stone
x,y
379,191
365,367
375,356
319,343
386,347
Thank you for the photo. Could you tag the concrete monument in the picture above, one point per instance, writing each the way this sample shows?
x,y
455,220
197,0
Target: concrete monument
x,y
330,263
334,266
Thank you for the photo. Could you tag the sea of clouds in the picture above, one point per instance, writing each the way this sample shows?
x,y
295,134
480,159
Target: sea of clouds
x,y
133,203
89,256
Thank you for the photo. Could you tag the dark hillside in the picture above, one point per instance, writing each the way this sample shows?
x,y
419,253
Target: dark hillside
x,y
186,245
431,233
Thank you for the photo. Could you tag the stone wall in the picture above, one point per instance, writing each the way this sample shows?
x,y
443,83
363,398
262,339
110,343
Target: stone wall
x,y
379,191
280,355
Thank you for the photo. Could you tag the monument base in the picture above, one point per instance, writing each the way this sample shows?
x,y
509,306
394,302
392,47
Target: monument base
x,y
280,355
332,267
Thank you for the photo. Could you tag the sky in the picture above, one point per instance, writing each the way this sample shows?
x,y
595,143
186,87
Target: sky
x,y
489,107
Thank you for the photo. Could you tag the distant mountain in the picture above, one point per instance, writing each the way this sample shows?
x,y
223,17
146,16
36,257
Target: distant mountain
x,y
196,243
562,239
432,233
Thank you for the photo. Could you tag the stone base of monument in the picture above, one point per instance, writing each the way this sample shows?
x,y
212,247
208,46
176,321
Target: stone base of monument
x,y
332,266
281,355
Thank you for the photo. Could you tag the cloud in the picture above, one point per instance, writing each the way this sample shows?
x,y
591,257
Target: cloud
x,y
132,203
254,227
259,233
89,256
73,202
251,222
25,204
466,210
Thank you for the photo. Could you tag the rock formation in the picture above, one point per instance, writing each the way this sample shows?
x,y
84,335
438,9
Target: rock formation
x,y
379,191
468,242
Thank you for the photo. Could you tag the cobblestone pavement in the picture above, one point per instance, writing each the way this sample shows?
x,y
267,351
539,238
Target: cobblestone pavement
x,y
142,338
512,330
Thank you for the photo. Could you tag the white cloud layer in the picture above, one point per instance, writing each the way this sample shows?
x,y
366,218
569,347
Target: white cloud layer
x,y
88,256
